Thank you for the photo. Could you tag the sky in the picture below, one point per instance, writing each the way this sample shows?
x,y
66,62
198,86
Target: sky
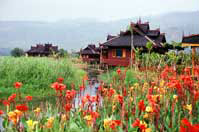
x,y
104,10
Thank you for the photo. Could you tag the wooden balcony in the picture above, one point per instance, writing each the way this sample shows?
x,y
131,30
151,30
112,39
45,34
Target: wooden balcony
x,y
116,61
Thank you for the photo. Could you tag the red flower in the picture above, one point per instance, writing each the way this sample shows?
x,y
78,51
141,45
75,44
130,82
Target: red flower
x,y
136,123
93,99
115,123
81,88
118,122
12,98
6,103
118,71
22,107
94,114
17,85
111,92
1,112
28,98
70,94
196,95
68,107
120,99
141,105
58,86
60,79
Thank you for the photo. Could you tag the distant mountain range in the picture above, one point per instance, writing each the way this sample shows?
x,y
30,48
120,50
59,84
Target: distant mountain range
x,y
76,34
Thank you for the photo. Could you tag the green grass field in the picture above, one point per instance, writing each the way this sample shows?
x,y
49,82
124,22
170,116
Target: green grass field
x,y
36,74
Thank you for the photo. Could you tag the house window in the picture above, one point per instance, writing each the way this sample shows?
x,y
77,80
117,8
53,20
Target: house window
x,y
119,52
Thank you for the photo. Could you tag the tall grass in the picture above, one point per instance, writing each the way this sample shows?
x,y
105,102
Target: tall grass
x,y
38,72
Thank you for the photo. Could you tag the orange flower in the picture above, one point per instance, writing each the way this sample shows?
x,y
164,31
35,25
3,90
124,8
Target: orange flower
x,y
17,85
28,98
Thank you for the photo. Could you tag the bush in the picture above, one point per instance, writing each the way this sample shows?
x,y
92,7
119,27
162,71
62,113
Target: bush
x,y
17,52
38,73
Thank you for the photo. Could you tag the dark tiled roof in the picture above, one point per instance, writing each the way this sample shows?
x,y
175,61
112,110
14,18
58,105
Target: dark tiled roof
x,y
144,27
90,49
110,37
43,49
153,33
138,41
193,39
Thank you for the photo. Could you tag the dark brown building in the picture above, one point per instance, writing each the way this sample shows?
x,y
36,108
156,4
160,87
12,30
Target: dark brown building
x,y
116,51
42,50
90,54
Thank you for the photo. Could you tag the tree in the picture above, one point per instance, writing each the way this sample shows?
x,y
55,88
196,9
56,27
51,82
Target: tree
x,y
149,46
17,52
63,53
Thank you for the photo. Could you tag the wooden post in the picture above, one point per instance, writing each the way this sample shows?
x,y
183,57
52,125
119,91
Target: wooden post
x,y
193,60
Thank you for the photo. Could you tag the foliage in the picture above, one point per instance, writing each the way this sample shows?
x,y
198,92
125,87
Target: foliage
x,y
167,102
17,52
39,72
63,53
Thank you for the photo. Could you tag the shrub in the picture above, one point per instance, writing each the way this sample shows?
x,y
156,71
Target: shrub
x,y
17,52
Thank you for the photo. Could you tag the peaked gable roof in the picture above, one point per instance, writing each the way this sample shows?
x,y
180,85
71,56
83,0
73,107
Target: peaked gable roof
x,y
43,49
141,35
90,49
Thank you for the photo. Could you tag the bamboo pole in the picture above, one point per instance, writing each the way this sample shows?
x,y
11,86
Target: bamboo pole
x,y
193,60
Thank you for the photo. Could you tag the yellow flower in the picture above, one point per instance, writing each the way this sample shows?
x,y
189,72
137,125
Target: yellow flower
x,y
136,85
148,130
188,107
19,113
12,114
162,83
89,120
63,117
149,109
113,108
31,124
146,84
50,122
37,110
143,123
155,87
175,96
107,123
131,99
146,116
88,117
132,88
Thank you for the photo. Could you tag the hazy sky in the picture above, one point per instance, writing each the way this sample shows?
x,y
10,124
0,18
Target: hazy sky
x,y
53,10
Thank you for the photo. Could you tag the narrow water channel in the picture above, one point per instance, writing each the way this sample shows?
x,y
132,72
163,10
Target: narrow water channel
x,y
90,89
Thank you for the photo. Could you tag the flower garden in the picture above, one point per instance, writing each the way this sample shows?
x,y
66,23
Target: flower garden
x,y
129,100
